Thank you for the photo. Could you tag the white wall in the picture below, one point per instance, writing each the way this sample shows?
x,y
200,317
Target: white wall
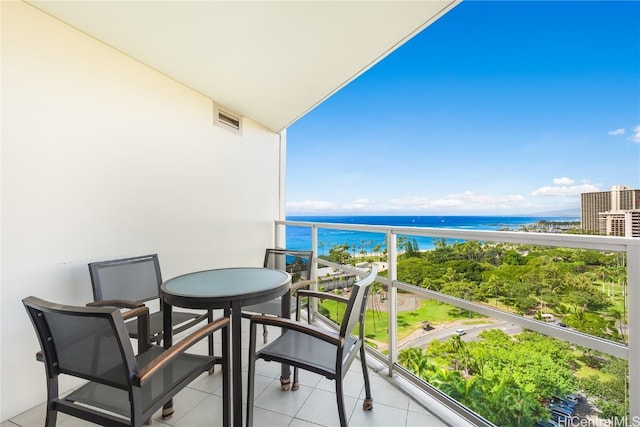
x,y
103,157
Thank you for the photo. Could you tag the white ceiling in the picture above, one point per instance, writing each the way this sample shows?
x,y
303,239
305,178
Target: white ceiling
x,y
270,61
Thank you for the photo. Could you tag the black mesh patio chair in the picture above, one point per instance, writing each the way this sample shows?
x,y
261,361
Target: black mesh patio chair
x,y
298,264
131,282
308,347
121,389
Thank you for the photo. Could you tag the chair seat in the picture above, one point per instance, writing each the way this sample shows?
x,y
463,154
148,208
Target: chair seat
x,y
155,322
117,400
306,352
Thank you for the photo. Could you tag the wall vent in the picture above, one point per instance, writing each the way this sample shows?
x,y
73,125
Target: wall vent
x,y
227,120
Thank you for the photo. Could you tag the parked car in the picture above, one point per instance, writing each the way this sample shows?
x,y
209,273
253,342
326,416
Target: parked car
x,y
560,410
564,403
560,418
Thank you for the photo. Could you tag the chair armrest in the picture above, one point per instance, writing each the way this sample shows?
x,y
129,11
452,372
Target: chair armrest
x,y
301,284
120,303
324,295
177,349
297,326
135,312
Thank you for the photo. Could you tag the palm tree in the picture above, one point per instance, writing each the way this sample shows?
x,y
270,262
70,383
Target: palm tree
x,y
376,249
618,322
520,408
416,361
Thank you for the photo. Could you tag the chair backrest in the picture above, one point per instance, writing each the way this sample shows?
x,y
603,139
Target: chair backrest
x,y
133,279
90,343
295,262
357,305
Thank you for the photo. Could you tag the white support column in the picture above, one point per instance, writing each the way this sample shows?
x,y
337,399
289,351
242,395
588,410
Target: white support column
x,y
280,230
633,331
392,255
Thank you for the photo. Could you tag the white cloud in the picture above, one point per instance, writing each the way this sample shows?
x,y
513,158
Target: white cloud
x,y
311,206
563,181
360,205
636,135
321,206
486,199
417,203
564,189
465,201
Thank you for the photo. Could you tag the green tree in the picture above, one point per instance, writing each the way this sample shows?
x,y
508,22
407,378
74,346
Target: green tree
x,y
340,254
415,360
515,407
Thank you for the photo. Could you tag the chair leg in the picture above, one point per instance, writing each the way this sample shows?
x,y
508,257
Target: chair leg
x,y
52,393
285,384
265,334
52,416
367,405
167,411
340,398
295,386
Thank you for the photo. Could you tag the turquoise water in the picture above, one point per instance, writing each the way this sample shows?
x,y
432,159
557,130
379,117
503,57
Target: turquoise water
x,y
300,237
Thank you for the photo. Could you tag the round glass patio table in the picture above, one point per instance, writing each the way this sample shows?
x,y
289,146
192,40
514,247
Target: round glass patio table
x,y
229,289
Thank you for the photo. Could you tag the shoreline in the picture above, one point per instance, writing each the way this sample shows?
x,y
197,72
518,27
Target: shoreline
x,y
298,237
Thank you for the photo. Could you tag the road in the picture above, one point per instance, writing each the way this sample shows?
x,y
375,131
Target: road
x,y
471,333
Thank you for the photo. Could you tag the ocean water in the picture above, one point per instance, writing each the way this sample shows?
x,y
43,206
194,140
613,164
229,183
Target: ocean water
x,y
300,237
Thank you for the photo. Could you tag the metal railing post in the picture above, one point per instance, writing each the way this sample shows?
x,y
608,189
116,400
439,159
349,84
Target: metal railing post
x,y
314,272
280,238
633,298
392,258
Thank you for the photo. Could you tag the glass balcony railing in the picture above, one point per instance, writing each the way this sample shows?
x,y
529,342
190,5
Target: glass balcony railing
x,y
500,327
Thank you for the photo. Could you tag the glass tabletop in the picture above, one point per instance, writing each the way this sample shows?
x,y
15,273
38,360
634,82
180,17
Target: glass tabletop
x,y
225,282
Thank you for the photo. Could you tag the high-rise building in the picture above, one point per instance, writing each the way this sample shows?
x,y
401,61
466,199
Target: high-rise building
x,y
612,213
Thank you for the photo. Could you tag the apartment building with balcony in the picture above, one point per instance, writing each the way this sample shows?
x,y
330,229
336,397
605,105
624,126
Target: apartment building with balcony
x,y
611,213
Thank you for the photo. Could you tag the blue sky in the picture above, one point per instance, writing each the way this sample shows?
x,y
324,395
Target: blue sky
x,y
503,107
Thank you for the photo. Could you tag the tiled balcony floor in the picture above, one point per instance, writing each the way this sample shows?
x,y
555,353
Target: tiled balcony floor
x,y
313,404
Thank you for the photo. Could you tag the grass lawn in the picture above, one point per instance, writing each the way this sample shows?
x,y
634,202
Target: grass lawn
x,y
377,322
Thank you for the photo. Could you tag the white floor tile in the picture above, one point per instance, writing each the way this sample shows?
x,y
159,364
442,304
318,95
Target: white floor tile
x,y
387,394
283,402
416,419
208,413
322,408
381,415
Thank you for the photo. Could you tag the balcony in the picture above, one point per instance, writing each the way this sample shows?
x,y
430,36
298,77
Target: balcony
x,y
400,397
